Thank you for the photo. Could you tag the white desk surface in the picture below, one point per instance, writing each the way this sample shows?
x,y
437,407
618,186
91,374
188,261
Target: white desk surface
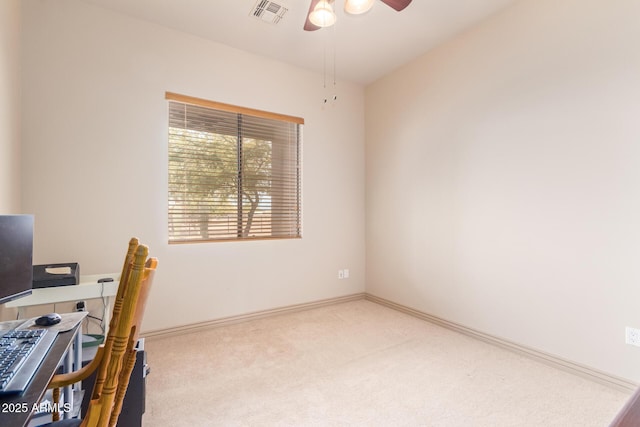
x,y
88,288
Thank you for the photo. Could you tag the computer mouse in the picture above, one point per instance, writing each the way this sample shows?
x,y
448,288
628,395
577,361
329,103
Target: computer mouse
x,y
48,319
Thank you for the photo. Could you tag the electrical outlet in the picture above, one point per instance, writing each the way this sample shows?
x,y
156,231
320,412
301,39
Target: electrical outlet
x,y
81,306
340,274
632,336
346,273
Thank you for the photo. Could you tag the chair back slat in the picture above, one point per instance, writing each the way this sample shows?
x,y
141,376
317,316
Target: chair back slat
x,y
119,358
129,362
121,333
115,315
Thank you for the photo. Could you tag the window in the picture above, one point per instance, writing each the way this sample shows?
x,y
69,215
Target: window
x,y
234,172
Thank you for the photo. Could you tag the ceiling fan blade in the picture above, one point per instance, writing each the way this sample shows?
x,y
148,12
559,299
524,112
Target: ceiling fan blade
x,y
308,25
397,4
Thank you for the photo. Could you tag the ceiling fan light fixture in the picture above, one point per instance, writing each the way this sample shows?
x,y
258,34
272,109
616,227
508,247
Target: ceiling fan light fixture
x,y
323,15
358,7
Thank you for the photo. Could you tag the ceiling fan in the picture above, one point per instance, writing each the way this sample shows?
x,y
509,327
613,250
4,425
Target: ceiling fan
x,y
321,12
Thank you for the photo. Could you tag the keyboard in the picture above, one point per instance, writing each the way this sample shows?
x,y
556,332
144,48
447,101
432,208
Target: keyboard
x,y
21,353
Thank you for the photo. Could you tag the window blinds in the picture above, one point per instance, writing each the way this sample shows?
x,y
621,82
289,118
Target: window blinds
x,y
234,173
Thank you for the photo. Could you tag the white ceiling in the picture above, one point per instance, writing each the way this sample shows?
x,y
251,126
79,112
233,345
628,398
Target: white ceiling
x,y
366,47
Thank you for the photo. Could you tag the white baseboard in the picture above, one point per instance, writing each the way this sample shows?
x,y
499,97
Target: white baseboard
x,y
224,321
549,359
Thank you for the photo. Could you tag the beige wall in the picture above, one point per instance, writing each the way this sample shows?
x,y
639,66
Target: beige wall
x,y
95,148
9,106
9,115
503,183
501,180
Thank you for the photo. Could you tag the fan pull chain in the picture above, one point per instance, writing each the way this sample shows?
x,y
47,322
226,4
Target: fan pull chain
x,y
334,98
324,69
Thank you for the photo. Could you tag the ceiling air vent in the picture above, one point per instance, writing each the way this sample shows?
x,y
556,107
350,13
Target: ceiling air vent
x,y
268,11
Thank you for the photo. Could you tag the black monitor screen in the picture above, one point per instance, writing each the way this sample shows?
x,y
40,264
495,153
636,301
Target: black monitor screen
x,y
16,256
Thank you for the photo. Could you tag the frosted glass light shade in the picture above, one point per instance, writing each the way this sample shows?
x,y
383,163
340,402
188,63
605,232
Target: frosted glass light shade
x,y
323,15
357,7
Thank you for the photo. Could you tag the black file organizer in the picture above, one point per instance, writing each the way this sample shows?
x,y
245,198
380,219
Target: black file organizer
x,y
42,279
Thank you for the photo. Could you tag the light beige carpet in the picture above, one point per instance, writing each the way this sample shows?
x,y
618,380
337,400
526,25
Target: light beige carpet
x,y
359,364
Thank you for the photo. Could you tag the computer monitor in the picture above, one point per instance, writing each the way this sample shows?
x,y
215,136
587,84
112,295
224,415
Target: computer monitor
x,y
16,256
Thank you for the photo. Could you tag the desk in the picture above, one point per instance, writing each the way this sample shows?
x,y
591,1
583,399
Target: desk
x,y
11,406
88,288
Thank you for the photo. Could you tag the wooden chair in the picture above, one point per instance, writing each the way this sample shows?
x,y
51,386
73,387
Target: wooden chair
x,y
114,359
